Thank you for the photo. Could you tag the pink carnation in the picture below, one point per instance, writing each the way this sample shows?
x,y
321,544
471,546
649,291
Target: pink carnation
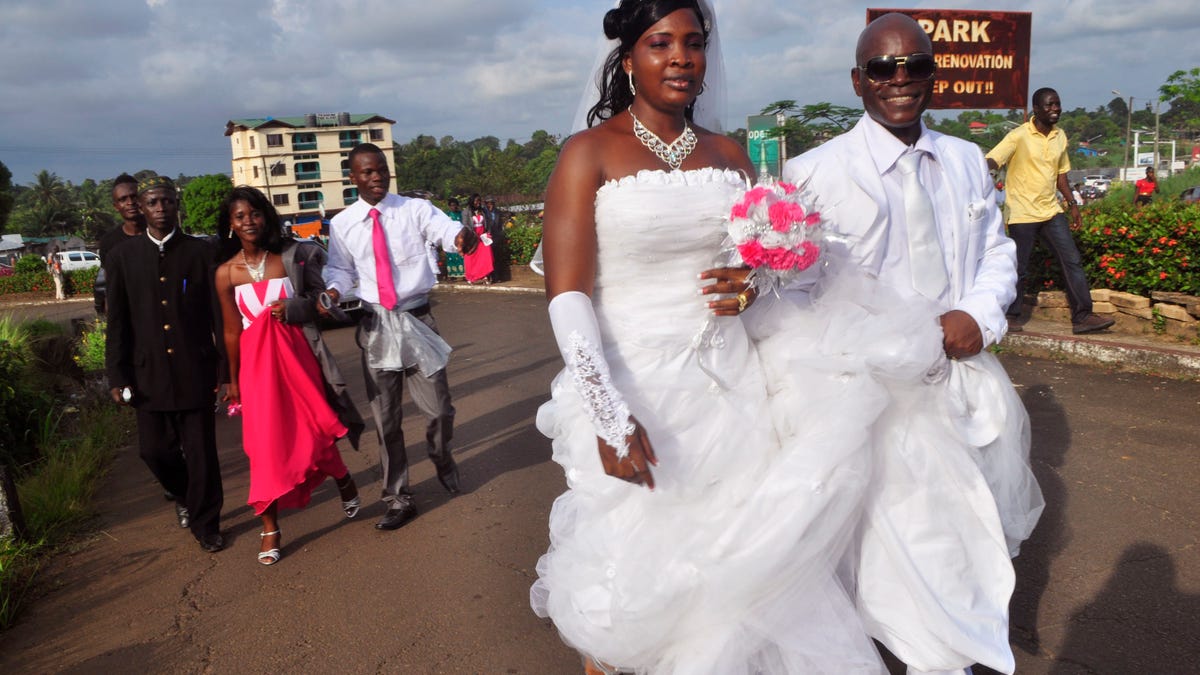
x,y
756,195
752,253
739,210
783,214
778,258
787,188
808,255
812,219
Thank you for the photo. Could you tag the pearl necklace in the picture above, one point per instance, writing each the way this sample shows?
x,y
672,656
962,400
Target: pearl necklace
x,y
672,153
257,270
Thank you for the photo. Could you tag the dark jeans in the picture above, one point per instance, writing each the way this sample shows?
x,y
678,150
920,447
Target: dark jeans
x,y
1056,235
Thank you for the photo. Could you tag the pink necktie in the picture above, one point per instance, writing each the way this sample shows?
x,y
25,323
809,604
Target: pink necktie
x,y
383,263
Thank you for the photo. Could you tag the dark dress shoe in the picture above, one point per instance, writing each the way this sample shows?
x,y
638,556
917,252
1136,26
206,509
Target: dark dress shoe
x,y
397,516
181,513
212,542
449,479
1091,323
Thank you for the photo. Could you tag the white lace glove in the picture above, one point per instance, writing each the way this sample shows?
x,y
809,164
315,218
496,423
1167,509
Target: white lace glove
x,y
578,337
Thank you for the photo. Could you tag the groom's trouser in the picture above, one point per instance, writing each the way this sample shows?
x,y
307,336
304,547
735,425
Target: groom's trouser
x,y
385,389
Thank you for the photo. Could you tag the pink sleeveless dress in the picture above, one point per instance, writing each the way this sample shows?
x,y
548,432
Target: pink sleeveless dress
x,y
478,264
289,432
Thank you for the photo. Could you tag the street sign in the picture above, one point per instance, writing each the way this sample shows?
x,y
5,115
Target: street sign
x,y
982,56
764,150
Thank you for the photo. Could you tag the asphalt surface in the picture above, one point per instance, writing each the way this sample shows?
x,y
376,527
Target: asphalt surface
x,y
1109,582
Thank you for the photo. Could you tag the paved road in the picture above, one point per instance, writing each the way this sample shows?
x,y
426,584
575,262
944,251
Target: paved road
x,y
1109,583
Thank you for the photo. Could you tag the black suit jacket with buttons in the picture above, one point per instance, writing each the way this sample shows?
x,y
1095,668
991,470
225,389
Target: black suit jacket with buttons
x,y
162,329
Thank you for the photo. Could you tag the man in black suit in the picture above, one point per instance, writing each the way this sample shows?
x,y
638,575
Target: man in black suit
x,y
494,222
162,359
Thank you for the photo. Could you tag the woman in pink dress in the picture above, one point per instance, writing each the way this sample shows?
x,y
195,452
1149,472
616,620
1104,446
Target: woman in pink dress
x,y
289,429
478,266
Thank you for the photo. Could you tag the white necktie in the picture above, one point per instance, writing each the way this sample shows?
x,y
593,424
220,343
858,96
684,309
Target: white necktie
x,y
924,249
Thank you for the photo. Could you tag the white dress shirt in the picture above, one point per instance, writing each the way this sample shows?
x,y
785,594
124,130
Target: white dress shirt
x,y
408,224
885,150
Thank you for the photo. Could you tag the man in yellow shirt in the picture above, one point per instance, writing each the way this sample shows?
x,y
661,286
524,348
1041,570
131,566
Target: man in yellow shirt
x,y
1036,155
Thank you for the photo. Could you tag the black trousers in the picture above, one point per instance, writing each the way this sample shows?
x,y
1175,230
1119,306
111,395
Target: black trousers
x,y
1056,235
180,447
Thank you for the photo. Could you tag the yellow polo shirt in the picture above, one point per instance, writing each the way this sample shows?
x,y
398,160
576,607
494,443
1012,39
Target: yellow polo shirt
x,y
1034,161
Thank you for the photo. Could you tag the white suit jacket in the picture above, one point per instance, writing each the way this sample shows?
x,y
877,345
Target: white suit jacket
x,y
979,256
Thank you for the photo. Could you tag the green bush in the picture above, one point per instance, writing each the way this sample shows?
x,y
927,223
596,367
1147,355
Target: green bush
x,y
77,282
80,282
1130,249
523,241
24,399
28,264
89,353
28,282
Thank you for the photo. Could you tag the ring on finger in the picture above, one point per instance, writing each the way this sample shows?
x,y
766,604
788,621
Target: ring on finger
x,y
743,301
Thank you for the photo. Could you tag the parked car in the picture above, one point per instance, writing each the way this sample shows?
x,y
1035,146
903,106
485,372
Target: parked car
x,y
77,260
1191,194
1092,180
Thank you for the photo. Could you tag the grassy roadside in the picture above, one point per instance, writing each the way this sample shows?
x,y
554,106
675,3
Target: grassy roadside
x,y
69,436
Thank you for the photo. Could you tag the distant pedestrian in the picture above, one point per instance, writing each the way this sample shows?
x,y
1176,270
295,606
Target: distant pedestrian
x,y
494,222
1037,160
1145,188
56,273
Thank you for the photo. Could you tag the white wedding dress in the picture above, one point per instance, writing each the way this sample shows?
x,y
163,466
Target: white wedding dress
x,y
730,565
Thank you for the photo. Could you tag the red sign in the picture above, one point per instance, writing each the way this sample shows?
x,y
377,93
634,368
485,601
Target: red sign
x,y
982,56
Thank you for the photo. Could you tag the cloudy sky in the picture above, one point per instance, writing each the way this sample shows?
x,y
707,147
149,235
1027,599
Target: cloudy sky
x,y
91,88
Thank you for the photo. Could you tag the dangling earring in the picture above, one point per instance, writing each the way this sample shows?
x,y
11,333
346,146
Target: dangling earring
x,y
632,89
231,233
701,89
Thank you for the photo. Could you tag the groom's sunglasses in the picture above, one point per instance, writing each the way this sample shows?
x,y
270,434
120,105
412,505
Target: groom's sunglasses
x,y
883,68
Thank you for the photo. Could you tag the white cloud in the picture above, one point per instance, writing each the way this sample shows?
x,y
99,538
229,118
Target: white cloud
x,y
129,79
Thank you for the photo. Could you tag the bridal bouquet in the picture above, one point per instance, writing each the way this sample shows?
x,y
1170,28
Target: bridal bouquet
x,y
772,231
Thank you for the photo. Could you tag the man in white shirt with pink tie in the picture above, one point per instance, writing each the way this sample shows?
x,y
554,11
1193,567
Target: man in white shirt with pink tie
x,y
380,243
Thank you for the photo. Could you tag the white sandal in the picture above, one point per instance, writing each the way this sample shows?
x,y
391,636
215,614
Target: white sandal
x,y
273,555
351,506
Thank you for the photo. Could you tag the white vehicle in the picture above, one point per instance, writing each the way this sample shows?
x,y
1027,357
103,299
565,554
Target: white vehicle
x,y
1093,180
77,260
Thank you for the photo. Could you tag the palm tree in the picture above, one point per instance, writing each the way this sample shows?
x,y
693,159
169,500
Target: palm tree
x,y
48,189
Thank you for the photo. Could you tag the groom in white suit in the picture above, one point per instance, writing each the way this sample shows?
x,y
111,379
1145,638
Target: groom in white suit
x,y
916,209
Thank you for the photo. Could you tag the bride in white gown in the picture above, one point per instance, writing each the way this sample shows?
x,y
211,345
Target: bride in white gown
x,y
703,523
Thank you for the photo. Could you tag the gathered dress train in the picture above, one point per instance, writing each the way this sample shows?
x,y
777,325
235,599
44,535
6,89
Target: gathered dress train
x,y
729,565
289,431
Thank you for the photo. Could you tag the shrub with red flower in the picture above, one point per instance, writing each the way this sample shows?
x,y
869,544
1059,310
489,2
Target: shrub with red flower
x,y
1135,250
774,232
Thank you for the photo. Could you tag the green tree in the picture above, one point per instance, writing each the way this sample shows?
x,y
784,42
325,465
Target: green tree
x,y
202,202
6,196
1182,84
809,125
95,212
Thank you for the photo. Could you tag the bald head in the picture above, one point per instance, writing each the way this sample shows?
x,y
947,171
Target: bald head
x,y
894,25
894,98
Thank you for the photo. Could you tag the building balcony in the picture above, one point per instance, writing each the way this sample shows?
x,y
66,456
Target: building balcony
x,y
296,147
310,206
308,175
